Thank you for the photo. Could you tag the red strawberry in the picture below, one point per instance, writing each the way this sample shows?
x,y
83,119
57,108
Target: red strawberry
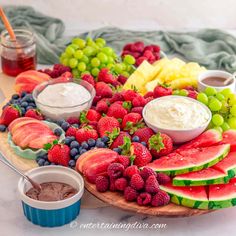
x,y
129,95
130,171
96,100
131,122
107,124
103,90
139,101
149,94
88,78
116,97
117,111
85,133
59,154
160,145
124,160
117,138
9,114
73,120
138,110
144,134
90,115
161,91
192,94
34,113
71,131
122,79
102,107
105,76
149,99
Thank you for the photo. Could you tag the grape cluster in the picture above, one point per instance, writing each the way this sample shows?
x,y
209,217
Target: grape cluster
x,y
222,105
90,56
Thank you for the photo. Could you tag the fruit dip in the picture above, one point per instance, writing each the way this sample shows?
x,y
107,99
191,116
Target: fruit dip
x,y
63,100
177,113
52,191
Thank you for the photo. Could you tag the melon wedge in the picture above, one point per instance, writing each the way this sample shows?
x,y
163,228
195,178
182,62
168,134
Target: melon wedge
x,y
229,136
190,160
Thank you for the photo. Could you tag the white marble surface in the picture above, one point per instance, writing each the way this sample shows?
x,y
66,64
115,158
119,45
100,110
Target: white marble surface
x,y
134,14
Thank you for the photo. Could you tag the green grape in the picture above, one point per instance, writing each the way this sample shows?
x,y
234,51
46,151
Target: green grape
x,y
220,96
129,59
78,54
224,108
65,62
202,97
102,57
232,122
176,92
63,55
232,99
103,66
75,73
95,62
85,72
88,51
118,68
215,104
183,92
95,71
81,66
225,126
101,41
110,66
69,51
128,68
217,119
110,60
123,66
233,110
80,42
93,45
209,91
85,59
107,50
125,74
219,129
226,92
73,63
75,46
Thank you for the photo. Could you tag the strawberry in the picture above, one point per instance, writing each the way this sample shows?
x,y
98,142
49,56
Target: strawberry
x,y
73,120
160,145
102,107
138,110
144,134
103,90
117,111
96,99
192,94
117,97
129,95
139,101
59,154
88,78
105,76
85,133
122,79
9,114
90,115
131,122
117,138
107,124
149,94
149,99
124,160
71,131
34,113
161,91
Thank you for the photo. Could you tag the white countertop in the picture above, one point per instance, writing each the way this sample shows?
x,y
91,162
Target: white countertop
x,y
85,15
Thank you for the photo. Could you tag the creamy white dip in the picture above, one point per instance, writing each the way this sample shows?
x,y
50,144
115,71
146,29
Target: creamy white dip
x,y
176,113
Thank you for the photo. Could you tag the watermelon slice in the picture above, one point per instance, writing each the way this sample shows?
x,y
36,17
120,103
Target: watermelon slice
x,y
189,160
229,136
222,195
206,139
194,197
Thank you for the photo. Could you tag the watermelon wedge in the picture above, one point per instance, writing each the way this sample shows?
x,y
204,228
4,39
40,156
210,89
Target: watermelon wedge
x,y
222,195
229,136
185,161
217,174
206,139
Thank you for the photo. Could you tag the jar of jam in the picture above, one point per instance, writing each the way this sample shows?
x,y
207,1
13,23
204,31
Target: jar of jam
x,y
18,55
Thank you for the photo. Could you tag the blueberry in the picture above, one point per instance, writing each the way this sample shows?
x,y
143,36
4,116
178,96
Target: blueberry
x,y
32,104
65,126
46,163
24,104
15,96
76,157
29,107
41,162
82,151
91,142
59,122
72,163
23,94
144,144
84,145
67,140
105,139
44,156
74,144
72,138
135,139
118,150
75,125
3,128
28,98
74,152
100,144
58,132
22,110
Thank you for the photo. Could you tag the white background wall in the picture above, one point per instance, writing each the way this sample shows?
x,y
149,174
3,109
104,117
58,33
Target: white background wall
x,y
138,14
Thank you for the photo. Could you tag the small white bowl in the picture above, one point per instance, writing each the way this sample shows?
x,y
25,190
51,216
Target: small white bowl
x,y
216,73
178,135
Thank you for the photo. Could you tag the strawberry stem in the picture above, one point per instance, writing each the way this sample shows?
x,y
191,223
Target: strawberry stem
x,y
156,142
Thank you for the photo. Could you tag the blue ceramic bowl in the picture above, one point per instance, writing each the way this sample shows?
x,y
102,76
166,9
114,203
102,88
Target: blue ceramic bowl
x,y
57,213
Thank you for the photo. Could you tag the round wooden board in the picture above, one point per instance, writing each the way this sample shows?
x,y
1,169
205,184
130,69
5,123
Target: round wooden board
x,y
117,200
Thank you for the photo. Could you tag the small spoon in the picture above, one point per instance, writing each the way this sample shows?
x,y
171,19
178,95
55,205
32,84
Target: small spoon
x,y
227,81
7,163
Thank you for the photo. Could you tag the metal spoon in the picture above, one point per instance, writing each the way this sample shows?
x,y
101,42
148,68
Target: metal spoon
x,y
228,81
7,163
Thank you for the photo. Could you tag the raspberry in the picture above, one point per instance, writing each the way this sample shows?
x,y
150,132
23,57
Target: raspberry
x,y
115,170
156,48
140,60
137,182
138,110
149,94
122,79
124,160
101,107
130,171
149,55
149,48
151,185
146,172
88,78
144,199
71,131
137,47
163,178
73,120
160,199
121,184
102,184
130,194
127,47
112,187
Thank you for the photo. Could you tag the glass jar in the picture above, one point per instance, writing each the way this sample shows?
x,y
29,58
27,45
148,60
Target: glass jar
x,y
18,55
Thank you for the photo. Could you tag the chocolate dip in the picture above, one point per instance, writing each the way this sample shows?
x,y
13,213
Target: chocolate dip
x,y
52,191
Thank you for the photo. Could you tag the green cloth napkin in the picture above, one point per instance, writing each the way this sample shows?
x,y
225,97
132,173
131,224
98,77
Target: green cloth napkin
x,y
214,49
